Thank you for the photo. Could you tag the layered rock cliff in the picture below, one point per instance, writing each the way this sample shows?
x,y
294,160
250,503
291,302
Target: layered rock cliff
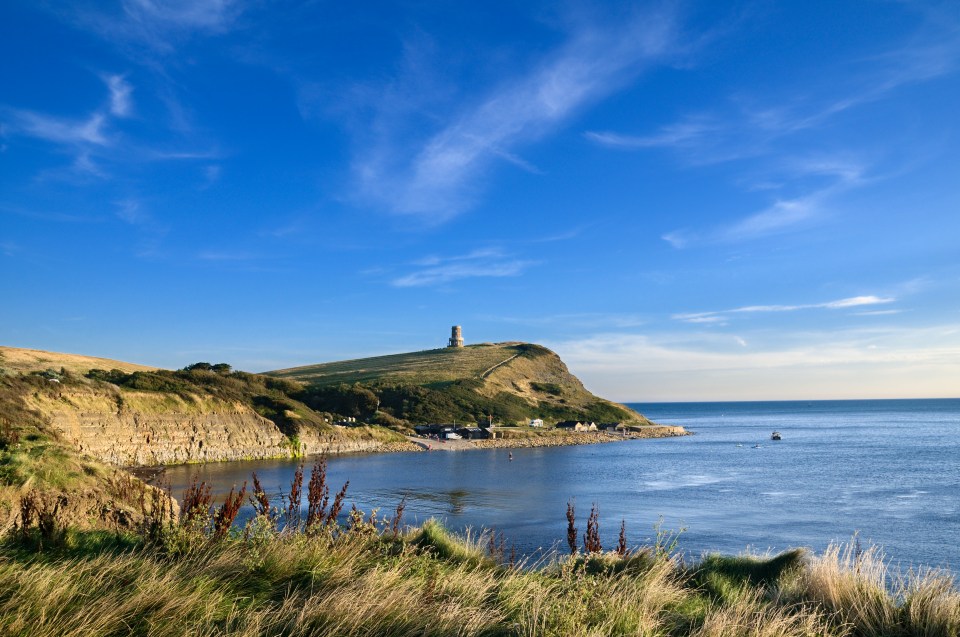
x,y
133,428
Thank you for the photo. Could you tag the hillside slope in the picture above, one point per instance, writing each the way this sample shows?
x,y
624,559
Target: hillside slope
x,y
130,415
20,360
508,381
418,368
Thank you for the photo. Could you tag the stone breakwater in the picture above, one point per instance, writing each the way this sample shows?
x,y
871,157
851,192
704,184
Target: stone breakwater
x,y
396,447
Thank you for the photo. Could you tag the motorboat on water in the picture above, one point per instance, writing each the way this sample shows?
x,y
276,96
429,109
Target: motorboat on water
x,y
775,435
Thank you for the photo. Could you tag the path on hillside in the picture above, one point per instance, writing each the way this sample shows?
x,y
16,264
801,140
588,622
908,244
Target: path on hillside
x,y
487,372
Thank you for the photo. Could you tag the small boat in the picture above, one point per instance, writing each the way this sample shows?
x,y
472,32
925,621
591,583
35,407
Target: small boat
x,y
775,435
756,446
739,445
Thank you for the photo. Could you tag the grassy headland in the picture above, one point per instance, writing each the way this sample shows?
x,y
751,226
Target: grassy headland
x,y
506,382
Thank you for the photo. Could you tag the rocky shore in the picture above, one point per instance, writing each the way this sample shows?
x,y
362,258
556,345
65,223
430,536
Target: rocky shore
x,y
548,439
394,447
579,438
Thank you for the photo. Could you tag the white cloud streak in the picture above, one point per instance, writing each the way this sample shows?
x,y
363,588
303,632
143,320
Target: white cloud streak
x,y
682,134
480,263
720,316
754,131
158,24
71,132
121,103
80,135
438,179
783,215
209,15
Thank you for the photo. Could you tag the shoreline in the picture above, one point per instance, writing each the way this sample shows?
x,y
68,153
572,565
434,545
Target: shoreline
x,y
414,444
568,439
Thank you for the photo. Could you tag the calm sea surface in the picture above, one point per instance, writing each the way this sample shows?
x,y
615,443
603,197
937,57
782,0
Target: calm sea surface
x,y
888,470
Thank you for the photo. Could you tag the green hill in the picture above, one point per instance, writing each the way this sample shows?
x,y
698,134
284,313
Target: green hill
x,y
429,366
509,382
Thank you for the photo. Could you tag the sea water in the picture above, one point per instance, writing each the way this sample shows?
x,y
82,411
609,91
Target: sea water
x,y
884,471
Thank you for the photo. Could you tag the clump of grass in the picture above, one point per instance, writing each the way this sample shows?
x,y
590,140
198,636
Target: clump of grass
x,y
751,615
852,586
731,578
931,604
435,539
860,591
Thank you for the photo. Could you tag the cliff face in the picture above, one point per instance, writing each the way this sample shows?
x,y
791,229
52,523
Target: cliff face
x,y
136,428
146,428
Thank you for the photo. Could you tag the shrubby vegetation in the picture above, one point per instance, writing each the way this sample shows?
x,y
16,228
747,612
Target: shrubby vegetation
x,y
395,405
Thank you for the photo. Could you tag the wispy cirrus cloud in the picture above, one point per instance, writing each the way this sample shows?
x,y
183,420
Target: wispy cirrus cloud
x,y
210,15
90,130
721,316
754,126
682,134
121,103
58,130
440,176
158,24
436,270
151,231
578,320
84,137
97,139
783,214
756,131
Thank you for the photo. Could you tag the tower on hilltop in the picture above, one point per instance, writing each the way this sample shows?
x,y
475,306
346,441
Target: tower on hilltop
x,y
456,337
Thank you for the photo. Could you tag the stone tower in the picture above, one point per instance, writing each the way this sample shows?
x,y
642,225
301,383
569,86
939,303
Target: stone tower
x,y
456,337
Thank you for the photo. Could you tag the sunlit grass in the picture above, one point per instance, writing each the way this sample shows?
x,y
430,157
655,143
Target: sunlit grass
x,y
364,580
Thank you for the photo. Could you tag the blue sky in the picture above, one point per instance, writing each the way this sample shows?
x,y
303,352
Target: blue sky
x,y
687,201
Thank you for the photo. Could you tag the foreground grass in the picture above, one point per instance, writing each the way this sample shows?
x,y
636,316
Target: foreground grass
x,y
366,580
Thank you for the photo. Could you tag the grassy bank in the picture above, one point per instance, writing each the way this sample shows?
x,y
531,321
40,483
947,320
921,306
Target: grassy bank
x,y
331,573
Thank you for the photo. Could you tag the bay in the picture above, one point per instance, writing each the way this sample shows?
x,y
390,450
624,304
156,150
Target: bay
x,y
886,470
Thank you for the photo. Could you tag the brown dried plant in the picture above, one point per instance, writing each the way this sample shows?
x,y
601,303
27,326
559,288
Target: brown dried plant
x,y
591,539
224,516
571,528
